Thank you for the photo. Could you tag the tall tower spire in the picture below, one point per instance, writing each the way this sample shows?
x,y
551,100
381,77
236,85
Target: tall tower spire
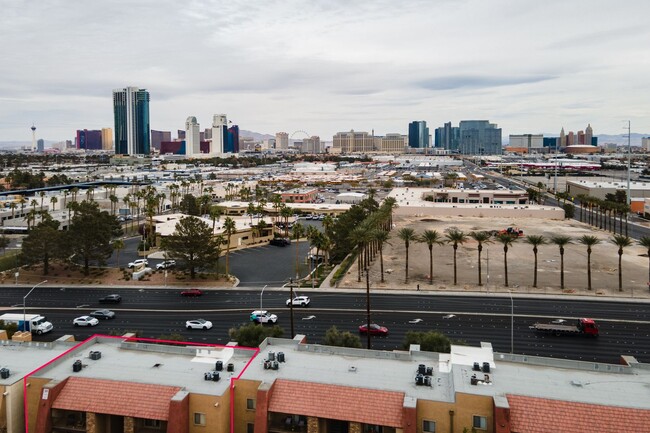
x,y
33,138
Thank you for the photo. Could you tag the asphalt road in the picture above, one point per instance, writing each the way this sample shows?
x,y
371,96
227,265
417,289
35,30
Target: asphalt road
x,y
624,326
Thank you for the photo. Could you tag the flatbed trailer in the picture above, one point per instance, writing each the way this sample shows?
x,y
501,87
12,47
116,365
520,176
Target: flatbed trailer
x,y
583,327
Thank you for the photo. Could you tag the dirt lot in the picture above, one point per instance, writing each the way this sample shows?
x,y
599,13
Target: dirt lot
x,y
604,260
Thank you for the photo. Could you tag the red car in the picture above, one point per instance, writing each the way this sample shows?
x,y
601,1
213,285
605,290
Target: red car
x,y
191,292
374,329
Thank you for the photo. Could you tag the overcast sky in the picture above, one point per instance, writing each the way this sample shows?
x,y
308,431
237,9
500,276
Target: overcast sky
x,y
530,66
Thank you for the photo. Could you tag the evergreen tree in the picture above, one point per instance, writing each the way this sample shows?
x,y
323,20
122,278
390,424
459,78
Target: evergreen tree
x,y
42,244
192,245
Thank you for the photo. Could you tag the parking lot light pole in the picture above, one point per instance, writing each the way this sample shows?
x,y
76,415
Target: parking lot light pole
x,y
25,304
512,323
291,304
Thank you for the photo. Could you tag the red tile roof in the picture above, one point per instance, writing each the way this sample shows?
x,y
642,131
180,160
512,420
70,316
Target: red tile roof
x,y
337,402
116,398
539,415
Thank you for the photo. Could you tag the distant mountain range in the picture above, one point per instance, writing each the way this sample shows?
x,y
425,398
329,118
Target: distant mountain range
x,y
255,135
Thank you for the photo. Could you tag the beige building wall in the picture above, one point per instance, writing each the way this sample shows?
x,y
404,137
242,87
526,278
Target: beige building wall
x,y
216,411
245,390
393,143
281,140
465,408
34,391
471,210
354,142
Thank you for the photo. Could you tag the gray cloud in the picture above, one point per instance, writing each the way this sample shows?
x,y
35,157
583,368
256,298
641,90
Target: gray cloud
x,y
468,81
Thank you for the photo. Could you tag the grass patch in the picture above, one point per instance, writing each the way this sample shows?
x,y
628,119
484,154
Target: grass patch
x,y
8,261
343,269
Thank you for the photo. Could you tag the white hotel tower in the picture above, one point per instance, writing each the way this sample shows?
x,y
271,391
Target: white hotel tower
x,y
192,136
219,133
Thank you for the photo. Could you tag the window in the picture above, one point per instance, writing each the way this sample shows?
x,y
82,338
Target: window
x,y
429,426
480,422
152,423
199,418
250,404
250,428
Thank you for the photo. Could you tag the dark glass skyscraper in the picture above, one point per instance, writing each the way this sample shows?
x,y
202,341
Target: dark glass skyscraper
x,y
418,134
479,137
131,111
232,142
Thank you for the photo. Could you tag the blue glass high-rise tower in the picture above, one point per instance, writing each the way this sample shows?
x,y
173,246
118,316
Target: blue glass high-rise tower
x,y
131,111
418,134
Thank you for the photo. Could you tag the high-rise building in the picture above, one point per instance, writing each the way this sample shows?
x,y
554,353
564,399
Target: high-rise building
x,y
562,142
418,134
447,137
107,138
393,143
192,136
219,133
354,142
281,140
40,145
531,142
589,134
479,137
645,144
131,111
232,144
89,139
570,140
158,137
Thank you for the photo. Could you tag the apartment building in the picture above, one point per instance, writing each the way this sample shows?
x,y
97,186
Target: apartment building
x,y
121,384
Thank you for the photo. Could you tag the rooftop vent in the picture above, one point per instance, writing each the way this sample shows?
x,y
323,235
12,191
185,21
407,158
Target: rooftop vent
x,y
76,366
4,373
95,355
352,369
211,375
156,365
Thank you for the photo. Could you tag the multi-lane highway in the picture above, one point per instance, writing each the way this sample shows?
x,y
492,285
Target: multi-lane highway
x,y
624,326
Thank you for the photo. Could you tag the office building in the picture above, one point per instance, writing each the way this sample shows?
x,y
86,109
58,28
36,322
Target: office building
x,y
479,137
89,139
418,135
353,142
311,145
158,137
107,138
447,137
192,136
219,135
645,144
40,145
232,144
180,134
281,140
131,111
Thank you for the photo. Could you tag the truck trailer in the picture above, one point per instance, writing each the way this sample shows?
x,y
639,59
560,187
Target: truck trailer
x,y
34,323
560,327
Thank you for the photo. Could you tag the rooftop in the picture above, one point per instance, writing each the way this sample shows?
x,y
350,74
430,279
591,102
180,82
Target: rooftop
x,y
148,363
23,358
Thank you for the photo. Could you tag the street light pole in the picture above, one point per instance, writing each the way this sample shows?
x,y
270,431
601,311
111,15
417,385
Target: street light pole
x,y
25,305
368,305
261,297
291,304
512,323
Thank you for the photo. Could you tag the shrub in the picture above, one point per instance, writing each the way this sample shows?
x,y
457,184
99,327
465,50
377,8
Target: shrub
x,y
334,337
252,335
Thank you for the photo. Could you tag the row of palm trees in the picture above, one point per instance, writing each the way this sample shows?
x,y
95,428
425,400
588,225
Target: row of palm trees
x,y
456,237
603,213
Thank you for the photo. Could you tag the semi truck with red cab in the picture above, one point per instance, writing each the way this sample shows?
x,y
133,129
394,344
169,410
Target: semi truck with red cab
x,y
586,327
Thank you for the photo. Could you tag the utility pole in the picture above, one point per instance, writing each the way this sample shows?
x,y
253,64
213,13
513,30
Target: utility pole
x,y
368,305
629,157
291,304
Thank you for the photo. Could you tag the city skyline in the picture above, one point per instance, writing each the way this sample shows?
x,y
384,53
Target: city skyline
x,y
530,67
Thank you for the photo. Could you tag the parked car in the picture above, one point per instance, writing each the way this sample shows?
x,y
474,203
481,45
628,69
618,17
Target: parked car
x,y
167,264
110,299
138,262
280,242
85,321
374,329
191,292
302,301
198,324
263,316
103,314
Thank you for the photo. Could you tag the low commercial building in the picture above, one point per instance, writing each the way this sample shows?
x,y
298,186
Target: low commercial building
x,y
600,189
299,195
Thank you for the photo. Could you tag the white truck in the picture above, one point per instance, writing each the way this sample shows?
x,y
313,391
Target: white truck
x,y
34,323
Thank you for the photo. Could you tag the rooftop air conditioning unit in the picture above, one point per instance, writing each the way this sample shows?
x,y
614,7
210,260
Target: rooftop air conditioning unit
x,y
281,357
4,373
271,356
486,367
230,367
219,366
477,367
95,355
76,366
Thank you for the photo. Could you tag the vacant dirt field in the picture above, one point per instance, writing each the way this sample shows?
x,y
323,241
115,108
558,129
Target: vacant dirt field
x,y
604,260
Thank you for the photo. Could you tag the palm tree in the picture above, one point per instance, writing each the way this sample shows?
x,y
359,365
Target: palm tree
x,y
482,238
42,194
456,237
430,237
359,237
407,235
561,241
589,241
535,241
53,201
229,228
381,237
33,204
286,213
298,233
13,207
507,240
118,245
621,242
644,242
215,214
